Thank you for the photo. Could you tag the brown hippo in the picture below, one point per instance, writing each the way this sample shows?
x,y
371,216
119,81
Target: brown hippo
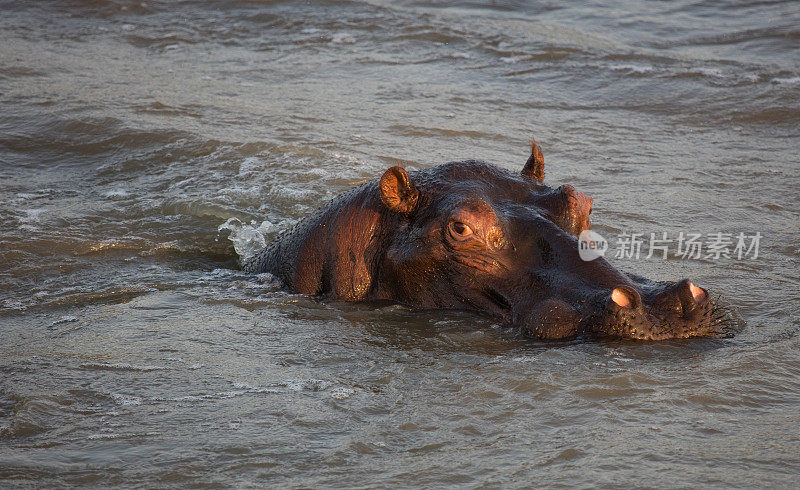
x,y
469,235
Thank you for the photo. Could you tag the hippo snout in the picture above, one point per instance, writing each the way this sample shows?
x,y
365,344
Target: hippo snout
x,y
677,310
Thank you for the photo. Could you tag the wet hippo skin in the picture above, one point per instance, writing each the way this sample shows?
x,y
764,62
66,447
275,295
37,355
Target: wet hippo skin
x,y
470,235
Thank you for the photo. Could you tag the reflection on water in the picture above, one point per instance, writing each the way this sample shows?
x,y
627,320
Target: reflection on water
x,y
140,141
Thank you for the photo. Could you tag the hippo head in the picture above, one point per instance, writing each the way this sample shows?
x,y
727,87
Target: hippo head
x,y
472,235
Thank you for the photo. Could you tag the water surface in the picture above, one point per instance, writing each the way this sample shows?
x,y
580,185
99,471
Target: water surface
x,y
137,139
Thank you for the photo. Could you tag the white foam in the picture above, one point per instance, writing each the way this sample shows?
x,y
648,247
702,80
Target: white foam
x,y
116,194
121,399
752,77
710,72
238,191
93,437
32,215
293,193
343,38
121,366
316,172
250,166
244,389
231,394
342,393
29,196
221,273
183,361
787,81
512,59
461,55
306,384
64,319
633,68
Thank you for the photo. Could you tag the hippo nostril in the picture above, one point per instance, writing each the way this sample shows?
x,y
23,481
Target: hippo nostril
x,y
625,297
689,294
699,294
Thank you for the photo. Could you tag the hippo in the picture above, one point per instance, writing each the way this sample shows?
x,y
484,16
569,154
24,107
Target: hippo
x,y
469,235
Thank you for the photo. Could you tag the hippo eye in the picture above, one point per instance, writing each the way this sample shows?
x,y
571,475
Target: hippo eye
x,y
459,230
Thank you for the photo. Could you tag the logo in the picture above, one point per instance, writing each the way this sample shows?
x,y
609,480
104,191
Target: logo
x,y
591,245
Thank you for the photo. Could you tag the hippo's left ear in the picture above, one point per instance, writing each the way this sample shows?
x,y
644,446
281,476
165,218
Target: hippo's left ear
x,y
398,193
534,167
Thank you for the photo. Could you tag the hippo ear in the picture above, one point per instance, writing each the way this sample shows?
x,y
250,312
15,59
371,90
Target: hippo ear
x,y
398,192
534,167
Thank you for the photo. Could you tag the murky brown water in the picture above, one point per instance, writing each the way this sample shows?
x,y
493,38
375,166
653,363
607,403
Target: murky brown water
x,y
133,352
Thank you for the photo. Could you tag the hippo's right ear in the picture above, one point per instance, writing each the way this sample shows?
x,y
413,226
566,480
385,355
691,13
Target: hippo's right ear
x,y
398,193
534,167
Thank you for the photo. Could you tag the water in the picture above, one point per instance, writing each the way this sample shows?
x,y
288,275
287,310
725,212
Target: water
x,y
137,139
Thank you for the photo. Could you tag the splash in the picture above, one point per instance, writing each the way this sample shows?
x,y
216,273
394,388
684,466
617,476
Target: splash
x,y
248,239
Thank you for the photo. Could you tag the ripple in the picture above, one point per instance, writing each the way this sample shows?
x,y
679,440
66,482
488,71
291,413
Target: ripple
x,y
120,366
